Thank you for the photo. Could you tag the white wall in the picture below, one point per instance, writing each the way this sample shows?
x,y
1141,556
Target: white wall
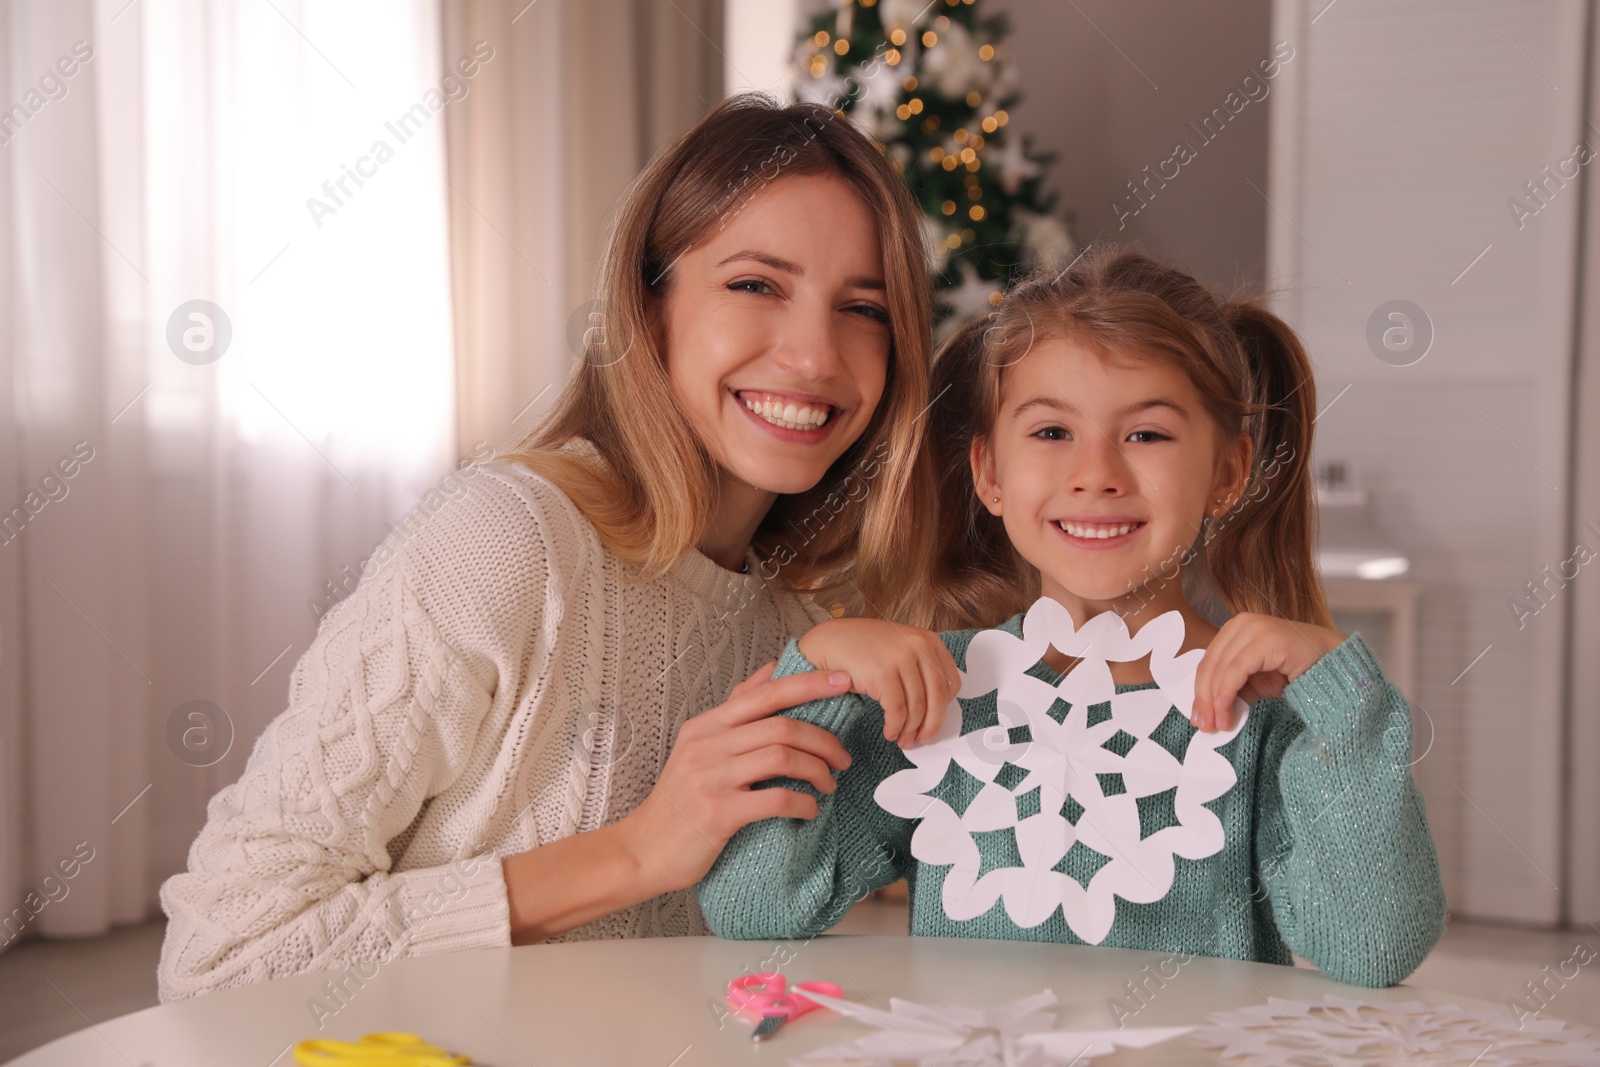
x,y
1398,141
1112,86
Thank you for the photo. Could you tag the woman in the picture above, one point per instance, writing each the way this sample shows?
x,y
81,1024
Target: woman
x,y
489,742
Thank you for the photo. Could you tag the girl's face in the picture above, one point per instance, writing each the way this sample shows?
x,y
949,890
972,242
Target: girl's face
x,y
1105,468
776,329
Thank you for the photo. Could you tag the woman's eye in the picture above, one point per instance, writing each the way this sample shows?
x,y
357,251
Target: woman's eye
x,y
1053,433
750,285
1146,436
873,312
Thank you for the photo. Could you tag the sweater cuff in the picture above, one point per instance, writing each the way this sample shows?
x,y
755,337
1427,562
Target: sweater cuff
x,y
458,905
832,714
792,661
1343,680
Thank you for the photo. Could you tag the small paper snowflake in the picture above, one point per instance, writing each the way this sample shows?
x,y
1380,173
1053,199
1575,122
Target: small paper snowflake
x,y
1067,759
1348,1033
1019,1034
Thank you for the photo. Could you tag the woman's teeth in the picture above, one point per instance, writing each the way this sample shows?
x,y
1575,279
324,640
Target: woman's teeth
x,y
789,416
1097,531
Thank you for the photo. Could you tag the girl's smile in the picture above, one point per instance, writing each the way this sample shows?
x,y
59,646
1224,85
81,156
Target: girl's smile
x,y
1105,467
1100,533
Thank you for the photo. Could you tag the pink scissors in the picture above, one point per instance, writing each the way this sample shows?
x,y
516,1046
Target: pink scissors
x,y
767,994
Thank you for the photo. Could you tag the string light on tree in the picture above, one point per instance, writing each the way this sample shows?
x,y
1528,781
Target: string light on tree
x,y
932,83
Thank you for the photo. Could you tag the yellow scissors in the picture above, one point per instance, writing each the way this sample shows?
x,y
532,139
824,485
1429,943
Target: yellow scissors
x,y
386,1049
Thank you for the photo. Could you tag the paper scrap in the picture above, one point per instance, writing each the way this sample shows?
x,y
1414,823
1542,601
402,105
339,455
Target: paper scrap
x,y
1075,773
1019,1034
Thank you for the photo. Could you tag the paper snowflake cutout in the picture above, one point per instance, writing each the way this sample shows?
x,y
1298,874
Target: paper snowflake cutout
x,y
1019,1034
1065,759
1347,1033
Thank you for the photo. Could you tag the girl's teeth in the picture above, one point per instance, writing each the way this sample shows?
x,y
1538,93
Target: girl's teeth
x,y
1096,532
789,416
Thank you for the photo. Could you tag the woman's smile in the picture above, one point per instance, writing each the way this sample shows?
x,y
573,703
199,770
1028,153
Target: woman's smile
x,y
789,329
790,416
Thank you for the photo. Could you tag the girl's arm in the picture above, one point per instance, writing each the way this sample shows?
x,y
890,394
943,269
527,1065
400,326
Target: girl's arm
x,y
1342,841
795,877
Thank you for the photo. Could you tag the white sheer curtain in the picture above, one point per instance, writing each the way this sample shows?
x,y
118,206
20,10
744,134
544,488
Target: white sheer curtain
x,y
581,95
203,150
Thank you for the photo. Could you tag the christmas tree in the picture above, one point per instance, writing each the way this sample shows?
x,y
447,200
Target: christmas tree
x,y
932,84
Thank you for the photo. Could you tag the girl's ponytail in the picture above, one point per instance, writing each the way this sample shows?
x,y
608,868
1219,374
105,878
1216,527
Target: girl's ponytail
x,y
979,579
1261,553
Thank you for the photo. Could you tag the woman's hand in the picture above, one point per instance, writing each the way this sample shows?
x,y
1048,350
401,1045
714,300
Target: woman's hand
x,y
701,798
907,670
1254,656
703,794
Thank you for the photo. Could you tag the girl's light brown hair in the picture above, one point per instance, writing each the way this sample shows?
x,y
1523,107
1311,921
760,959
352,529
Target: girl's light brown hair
x,y
1251,372
854,537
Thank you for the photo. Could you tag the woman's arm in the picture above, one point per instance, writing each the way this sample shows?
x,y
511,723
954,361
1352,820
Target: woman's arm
x,y
1342,841
797,876
291,870
703,796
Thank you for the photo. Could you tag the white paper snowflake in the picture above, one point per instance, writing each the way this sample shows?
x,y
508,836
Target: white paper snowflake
x,y
1019,1034
1346,1033
1065,759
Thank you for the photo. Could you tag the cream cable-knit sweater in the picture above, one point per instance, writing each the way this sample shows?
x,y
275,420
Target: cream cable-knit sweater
x,y
498,684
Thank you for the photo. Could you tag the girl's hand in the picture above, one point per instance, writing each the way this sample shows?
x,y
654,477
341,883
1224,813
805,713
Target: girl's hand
x,y
905,669
703,794
1254,656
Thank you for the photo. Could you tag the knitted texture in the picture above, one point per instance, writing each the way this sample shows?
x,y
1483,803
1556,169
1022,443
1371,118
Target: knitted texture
x,y
1328,851
500,682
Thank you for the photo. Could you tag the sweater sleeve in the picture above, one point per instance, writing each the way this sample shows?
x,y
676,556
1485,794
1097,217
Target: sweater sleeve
x,y
291,870
294,868
781,877
1342,840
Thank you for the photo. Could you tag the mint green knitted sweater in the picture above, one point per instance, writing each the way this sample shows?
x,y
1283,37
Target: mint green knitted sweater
x,y
1328,852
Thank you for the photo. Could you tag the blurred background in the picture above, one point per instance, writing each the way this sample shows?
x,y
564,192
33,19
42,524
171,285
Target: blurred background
x,y
271,269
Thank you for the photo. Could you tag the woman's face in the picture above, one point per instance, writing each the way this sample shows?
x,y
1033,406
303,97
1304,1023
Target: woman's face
x,y
776,332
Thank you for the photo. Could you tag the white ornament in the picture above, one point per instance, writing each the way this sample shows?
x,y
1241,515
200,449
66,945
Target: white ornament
x,y
901,14
879,95
1045,238
952,65
970,299
1347,1033
1019,1034
1063,759
1014,165
829,89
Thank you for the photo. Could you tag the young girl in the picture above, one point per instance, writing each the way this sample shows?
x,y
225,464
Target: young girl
x,y
1127,436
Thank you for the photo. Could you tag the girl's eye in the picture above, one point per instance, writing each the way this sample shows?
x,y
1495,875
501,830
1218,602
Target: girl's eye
x,y
1147,436
1053,433
872,311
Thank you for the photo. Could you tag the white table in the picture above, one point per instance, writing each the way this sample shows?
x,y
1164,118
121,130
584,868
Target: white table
x,y
651,1003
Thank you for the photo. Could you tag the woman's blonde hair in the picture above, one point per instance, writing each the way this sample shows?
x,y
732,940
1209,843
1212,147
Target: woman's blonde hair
x,y
1252,373
853,537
